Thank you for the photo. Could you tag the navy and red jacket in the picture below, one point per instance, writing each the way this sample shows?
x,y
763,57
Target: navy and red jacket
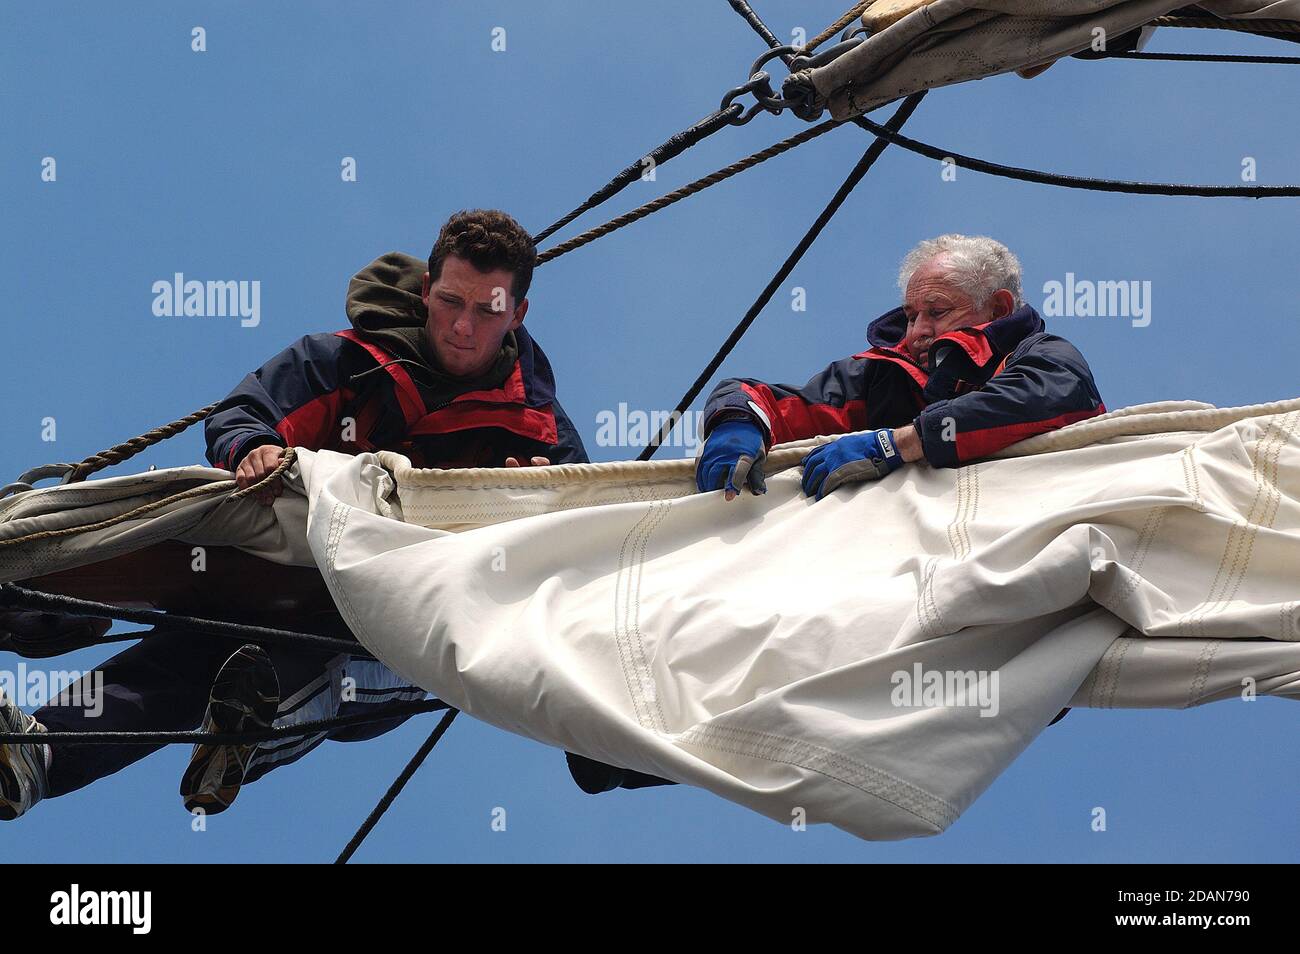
x,y
988,386
302,396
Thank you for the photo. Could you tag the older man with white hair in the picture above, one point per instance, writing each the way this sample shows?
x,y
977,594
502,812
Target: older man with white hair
x,y
961,370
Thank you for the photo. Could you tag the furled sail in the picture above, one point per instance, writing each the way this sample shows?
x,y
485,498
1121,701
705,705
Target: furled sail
x,y
914,44
873,660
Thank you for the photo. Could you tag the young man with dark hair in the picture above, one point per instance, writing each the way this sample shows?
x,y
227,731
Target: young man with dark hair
x,y
436,366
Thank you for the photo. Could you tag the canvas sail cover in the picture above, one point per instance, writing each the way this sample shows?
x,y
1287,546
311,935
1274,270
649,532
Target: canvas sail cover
x,y
915,45
776,651
873,660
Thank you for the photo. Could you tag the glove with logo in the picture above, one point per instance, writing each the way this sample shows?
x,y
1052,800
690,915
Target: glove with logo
x,y
732,458
856,457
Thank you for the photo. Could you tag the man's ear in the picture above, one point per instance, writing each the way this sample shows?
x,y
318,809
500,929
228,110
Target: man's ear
x,y
1003,303
521,310
424,287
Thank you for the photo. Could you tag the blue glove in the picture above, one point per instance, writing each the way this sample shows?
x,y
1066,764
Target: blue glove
x,y
856,457
732,458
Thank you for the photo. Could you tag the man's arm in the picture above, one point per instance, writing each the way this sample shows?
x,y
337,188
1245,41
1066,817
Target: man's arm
x,y
568,447
832,402
295,399
1045,385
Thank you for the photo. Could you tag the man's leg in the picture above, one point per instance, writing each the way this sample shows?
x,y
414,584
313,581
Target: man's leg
x,y
310,684
23,765
343,686
243,699
159,684
595,777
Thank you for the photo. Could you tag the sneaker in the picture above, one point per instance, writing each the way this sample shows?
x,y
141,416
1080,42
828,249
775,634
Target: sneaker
x,y
23,781
245,697
41,635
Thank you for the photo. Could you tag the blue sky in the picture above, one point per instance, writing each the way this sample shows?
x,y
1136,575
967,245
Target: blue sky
x,y
226,165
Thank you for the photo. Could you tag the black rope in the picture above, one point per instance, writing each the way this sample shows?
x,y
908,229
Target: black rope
x,y
865,163
1071,182
395,789
19,597
661,154
674,146
758,26
1191,57
224,738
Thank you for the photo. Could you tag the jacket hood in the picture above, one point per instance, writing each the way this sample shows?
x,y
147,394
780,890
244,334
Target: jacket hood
x,y
384,304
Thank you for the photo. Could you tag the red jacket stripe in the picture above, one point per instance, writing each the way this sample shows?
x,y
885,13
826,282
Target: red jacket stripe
x,y
311,425
458,416
511,390
990,440
408,395
906,363
794,418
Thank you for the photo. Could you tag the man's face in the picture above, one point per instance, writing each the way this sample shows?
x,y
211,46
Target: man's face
x,y
935,307
470,312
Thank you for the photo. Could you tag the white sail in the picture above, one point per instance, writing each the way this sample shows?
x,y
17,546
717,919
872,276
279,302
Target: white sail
x,y
915,44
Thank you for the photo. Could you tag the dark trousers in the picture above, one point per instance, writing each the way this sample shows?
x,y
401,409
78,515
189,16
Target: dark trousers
x,y
163,683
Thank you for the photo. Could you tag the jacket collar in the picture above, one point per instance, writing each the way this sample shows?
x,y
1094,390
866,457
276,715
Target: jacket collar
x,y
983,344
522,403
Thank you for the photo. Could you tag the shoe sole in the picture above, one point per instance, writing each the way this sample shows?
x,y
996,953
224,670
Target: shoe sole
x,y
16,760
245,697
